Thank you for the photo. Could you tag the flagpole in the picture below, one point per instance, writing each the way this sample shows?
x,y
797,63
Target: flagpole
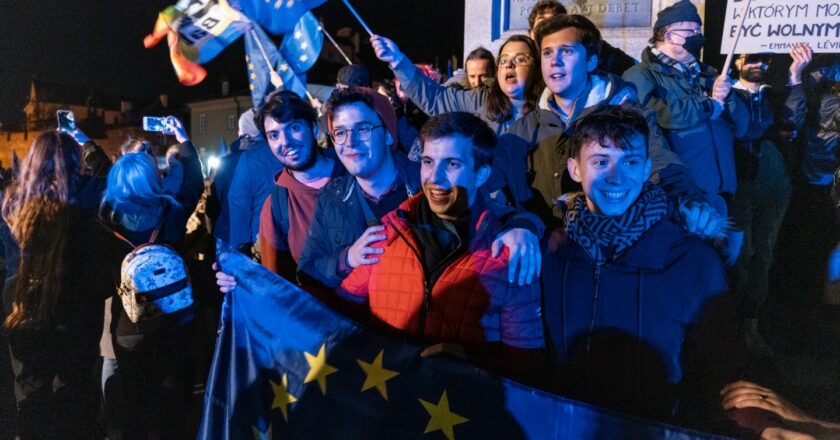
x,y
731,54
358,17
329,37
262,50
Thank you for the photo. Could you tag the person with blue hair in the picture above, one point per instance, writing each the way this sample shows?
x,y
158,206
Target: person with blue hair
x,y
152,356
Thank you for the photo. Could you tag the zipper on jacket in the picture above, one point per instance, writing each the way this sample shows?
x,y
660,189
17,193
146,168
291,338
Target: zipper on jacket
x,y
427,299
427,288
596,278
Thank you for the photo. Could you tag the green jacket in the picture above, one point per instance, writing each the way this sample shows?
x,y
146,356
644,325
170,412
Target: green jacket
x,y
685,115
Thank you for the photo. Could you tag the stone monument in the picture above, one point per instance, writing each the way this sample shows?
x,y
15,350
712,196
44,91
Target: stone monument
x,y
626,24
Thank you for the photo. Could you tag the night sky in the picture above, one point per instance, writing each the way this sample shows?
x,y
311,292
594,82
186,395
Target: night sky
x,y
97,44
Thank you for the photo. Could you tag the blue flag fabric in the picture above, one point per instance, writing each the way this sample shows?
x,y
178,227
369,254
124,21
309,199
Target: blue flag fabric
x,y
276,16
260,51
287,366
301,47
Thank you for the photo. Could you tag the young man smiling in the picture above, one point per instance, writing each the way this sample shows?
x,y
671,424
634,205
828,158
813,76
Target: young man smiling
x,y
635,306
362,124
531,157
438,278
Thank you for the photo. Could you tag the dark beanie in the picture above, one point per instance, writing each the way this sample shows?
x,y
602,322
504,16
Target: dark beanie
x,y
354,75
383,108
682,10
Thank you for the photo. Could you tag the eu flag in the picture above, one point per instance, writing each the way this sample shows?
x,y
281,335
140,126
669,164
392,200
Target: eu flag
x,y
302,46
276,16
260,52
287,366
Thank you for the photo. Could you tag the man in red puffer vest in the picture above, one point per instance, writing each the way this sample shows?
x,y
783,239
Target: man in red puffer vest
x,y
440,279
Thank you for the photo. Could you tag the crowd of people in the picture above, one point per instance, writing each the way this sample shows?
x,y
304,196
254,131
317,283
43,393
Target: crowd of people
x,y
590,225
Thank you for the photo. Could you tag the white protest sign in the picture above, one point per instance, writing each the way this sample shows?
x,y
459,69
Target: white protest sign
x,y
775,25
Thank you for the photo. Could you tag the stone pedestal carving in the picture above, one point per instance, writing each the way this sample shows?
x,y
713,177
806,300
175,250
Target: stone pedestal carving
x,y
626,24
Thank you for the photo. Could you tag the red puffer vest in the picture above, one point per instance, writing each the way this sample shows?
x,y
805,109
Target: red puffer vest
x,y
471,303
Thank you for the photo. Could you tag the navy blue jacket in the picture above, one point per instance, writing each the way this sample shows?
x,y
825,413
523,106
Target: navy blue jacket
x,y
644,331
338,222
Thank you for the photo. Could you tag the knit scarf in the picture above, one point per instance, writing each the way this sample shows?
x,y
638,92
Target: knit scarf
x,y
605,237
690,71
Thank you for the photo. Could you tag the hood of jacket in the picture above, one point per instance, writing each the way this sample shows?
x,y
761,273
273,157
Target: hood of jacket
x,y
603,86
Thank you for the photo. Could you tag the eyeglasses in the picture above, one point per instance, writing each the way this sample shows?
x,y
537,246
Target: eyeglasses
x,y
691,32
342,135
518,59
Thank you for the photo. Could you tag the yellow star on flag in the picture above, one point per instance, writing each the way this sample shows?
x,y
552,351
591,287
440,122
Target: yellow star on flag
x,y
290,3
304,45
442,418
282,398
259,435
319,369
298,35
304,57
251,66
284,67
253,76
376,375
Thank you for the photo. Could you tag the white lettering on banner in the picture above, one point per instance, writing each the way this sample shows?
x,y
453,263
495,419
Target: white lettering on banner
x,y
776,25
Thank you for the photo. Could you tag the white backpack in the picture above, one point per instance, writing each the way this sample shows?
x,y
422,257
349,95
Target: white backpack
x,y
154,280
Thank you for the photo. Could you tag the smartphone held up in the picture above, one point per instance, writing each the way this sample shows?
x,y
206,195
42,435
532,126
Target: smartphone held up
x,y
66,121
158,124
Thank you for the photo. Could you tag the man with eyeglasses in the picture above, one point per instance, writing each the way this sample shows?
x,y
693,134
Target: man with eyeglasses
x,y
363,128
440,280
530,162
693,104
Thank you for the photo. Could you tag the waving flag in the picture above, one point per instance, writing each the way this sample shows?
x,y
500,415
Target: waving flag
x,y
196,31
262,58
286,366
302,46
276,16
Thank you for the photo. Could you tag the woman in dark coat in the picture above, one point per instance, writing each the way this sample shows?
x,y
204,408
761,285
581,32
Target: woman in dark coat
x,y
54,304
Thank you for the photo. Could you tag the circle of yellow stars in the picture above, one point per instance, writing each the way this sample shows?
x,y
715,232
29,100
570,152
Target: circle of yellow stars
x,y
441,417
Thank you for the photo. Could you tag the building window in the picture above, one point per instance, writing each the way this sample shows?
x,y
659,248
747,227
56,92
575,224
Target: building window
x,y
231,122
202,123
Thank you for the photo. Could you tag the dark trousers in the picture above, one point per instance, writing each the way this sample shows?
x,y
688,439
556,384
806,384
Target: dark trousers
x,y
55,385
758,210
157,383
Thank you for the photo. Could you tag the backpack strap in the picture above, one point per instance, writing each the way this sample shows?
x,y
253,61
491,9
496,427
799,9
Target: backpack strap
x,y
152,238
280,216
370,218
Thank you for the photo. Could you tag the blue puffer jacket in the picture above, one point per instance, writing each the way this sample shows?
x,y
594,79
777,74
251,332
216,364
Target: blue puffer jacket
x,y
252,181
625,333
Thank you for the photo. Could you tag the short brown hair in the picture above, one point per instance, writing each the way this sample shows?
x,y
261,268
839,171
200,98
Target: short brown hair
x,y
615,123
588,33
465,125
542,7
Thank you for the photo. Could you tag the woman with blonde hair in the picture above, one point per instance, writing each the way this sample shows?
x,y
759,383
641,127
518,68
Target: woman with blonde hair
x,y
54,304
